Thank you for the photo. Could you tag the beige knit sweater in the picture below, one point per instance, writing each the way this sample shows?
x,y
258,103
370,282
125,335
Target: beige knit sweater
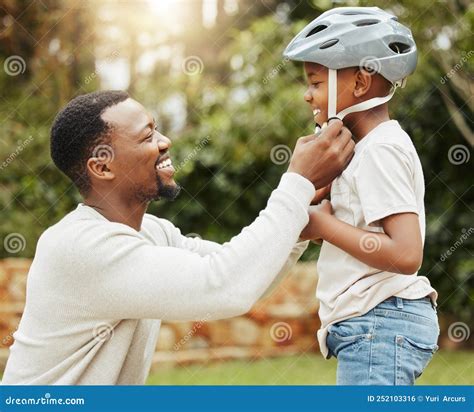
x,y
98,290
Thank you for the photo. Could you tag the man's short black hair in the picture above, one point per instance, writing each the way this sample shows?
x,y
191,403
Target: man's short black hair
x,y
77,129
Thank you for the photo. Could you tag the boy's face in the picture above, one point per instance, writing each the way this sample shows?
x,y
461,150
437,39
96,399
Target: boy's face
x,y
317,93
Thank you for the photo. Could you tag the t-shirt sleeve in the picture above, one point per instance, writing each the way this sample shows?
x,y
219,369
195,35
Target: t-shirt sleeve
x,y
384,182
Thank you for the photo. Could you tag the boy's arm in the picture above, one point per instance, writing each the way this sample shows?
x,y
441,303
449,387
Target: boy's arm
x,y
321,194
384,182
399,249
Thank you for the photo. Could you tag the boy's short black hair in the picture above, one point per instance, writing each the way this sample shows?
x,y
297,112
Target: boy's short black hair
x,y
77,129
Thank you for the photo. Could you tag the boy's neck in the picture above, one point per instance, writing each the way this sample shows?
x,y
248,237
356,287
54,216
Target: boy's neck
x,y
361,123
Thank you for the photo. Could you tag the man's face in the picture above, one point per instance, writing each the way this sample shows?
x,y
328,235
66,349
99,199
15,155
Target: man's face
x,y
317,93
141,168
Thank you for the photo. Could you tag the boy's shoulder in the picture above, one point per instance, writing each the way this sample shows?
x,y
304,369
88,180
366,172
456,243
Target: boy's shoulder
x,y
388,138
388,133
385,146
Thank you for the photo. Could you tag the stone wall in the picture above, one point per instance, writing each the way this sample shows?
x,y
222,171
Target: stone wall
x,y
12,296
283,323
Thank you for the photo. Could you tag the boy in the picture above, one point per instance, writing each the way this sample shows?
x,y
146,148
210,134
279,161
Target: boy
x,y
378,318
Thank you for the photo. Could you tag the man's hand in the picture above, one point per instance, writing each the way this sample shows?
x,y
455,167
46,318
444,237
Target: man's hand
x,y
317,215
322,158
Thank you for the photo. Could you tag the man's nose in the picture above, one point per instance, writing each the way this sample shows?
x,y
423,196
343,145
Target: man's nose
x,y
163,143
307,96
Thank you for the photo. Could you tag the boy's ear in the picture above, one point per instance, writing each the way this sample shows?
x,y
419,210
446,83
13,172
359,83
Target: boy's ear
x,y
363,81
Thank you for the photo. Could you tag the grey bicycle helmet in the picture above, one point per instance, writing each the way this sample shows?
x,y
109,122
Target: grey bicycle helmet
x,y
357,36
365,37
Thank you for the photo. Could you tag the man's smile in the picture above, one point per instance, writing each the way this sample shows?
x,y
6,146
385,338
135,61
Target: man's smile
x,y
165,164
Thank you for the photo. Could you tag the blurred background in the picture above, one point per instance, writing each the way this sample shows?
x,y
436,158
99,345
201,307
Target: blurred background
x,y
212,74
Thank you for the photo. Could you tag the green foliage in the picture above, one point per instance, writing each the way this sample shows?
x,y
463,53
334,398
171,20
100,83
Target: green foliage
x,y
232,177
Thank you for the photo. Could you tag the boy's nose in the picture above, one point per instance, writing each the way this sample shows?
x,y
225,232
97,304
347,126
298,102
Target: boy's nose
x,y
307,96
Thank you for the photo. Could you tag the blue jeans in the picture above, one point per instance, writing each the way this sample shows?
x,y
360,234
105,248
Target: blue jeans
x,y
389,345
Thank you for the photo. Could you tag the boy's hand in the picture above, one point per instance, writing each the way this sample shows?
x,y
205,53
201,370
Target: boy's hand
x,y
317,215
321,194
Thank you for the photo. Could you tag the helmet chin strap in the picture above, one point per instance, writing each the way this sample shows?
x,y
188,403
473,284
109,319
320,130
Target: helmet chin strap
x,y
332,93
359,107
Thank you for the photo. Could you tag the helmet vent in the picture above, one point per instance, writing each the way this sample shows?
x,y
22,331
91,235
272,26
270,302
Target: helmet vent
x,y
399,48
317,29
367,22
329,43
353,13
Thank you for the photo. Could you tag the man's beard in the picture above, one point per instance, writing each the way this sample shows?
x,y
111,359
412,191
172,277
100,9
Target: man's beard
x,y
162,191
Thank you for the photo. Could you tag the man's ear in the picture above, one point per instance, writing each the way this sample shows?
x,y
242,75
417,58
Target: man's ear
x,y
98,167
363,81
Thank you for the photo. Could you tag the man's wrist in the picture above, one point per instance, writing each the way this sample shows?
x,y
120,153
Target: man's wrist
x,y
296,183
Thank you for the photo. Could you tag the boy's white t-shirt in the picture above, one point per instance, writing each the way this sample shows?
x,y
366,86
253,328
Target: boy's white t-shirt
x,y
385,177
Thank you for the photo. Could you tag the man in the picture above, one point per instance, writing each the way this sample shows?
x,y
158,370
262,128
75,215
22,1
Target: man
x,y
105,276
